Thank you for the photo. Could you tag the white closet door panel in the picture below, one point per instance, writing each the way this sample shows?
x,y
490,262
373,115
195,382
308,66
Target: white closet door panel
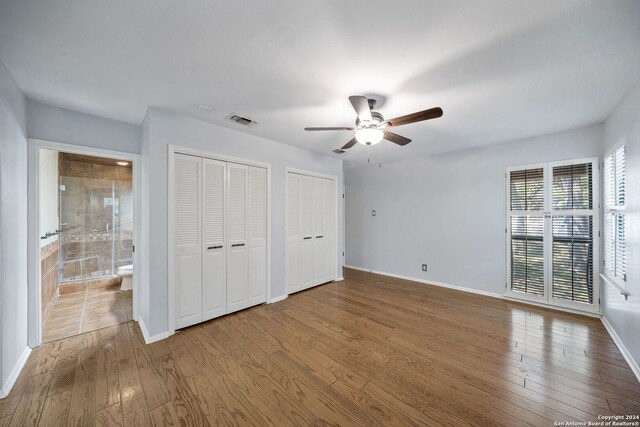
x,y
319,256
318,205
306,232
187,276
237,256
293,233
214,268
306,206
187,240
329,253
257,214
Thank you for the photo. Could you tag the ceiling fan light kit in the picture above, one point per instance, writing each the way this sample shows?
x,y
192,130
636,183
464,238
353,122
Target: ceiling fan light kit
x,y
369,123
369,136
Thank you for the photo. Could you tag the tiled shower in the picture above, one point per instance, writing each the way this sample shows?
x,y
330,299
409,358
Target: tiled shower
x,y
96,218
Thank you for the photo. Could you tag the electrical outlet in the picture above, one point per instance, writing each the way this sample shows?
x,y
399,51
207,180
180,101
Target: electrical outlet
x,y
424,267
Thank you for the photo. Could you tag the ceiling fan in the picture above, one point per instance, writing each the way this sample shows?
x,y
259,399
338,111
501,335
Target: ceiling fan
x,y
370,125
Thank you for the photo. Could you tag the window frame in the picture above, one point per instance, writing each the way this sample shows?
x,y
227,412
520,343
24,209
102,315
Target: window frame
x,y
548,213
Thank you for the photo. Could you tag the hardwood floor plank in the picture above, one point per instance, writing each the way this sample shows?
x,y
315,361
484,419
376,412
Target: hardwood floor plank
x,y
135,411
180,394
56,409
165,415
154,390
82,410
33,401
107,387
124,349
210,402
110,416
384,414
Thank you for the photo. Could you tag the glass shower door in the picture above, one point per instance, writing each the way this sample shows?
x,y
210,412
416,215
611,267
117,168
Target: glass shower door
x,y
86,220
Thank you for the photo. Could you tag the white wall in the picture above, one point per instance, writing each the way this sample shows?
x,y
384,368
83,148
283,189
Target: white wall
x,y
623,128
13,229
446,211
48,194
166,128
62,125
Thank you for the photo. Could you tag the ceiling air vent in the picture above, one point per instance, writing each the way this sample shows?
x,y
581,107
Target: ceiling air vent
x,y
339,151
241,120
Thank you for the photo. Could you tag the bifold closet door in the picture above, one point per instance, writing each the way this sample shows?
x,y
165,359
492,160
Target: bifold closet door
x,y
306,232
237,256
310,231
293,233
319,247
257,229
329,250
188,247
214,251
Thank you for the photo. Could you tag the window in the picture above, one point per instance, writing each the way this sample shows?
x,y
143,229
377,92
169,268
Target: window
x,y
551,223
614,217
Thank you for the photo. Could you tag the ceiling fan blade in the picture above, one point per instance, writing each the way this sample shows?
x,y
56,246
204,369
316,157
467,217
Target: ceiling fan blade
x,y
431,113
328,128
361,105
395,138
349,144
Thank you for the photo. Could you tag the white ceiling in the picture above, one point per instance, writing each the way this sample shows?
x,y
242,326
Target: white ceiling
x,y
501,70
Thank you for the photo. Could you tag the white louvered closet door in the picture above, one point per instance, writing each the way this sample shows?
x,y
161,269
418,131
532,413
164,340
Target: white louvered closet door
x,y
214,252
237,255
306,232
319,251
329,252
257,221
292,261
187,240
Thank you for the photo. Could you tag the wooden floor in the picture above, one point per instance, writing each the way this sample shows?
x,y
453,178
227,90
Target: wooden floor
x,y
367,351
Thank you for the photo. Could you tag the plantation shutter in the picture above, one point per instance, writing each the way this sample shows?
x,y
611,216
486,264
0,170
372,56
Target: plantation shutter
x,y
572,233
552,220
526,189
614,217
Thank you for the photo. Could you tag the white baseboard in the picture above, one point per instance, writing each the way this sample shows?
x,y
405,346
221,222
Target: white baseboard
x,y
339,279
429,282
278,299
440,284
8,385
476,291
625,353
353,267
149,338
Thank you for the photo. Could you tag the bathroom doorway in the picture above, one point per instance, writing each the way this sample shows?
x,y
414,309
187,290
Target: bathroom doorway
x,y
86,235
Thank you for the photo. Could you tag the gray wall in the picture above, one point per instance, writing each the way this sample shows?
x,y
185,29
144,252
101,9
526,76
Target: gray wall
x,y
623,128
13,226
447,211
62,125
166,128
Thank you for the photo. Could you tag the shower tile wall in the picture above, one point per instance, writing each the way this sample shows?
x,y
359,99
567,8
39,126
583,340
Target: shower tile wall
x,y
49,277
88,204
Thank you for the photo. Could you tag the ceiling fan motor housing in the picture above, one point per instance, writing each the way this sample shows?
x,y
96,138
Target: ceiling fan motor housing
x,y
376,119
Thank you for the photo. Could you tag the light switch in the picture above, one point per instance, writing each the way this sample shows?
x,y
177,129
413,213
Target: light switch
x,y
373,212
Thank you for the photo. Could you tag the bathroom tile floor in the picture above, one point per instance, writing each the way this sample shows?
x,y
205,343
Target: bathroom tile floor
x,y
87,311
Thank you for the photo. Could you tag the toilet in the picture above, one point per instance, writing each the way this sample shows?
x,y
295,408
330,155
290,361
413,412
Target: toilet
x,y
126,272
